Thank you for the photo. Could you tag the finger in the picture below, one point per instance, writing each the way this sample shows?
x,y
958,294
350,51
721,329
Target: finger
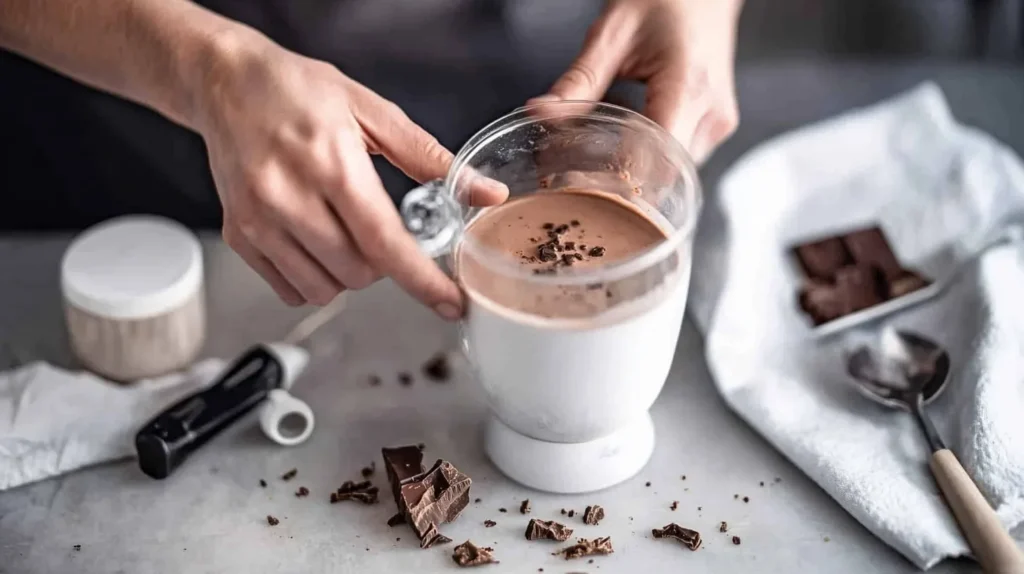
x,y
383,240
262,266
714,128
677,101
599,61
310,279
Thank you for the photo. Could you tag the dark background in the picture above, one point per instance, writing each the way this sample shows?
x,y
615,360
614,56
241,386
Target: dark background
x,y
71,156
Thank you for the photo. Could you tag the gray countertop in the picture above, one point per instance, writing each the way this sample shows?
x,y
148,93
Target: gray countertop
x,y
210,516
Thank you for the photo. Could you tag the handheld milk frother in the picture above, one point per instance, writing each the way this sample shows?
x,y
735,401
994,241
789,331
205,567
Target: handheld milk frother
x,y
260,376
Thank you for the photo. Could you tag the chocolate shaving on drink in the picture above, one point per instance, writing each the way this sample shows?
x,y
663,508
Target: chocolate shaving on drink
x,y
584,547
690,538
547,530
593,515
468,554
360,491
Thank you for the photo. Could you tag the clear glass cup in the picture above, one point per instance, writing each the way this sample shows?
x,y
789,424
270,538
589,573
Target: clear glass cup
x,y
590,366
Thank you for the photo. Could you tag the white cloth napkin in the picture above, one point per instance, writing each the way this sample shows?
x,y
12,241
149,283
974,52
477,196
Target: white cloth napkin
x,y
54,421
938,189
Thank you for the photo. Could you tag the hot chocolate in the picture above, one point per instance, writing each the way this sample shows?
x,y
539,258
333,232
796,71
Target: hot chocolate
x,y
548,233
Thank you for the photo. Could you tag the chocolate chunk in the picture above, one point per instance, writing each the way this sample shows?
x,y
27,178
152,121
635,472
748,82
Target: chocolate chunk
x,y
574,223
405,379
548,226
546,253
906,283
263,483
869,247
432,538
396,520
561,229
593,515
437,368
547,530
722,527
302,491
290,474
584,547
674,505
821,259
468,554
425,498
570,245
368,471
690,538
489,523
361,491
400,464
572,513
524,508
272,521
736,540
596,252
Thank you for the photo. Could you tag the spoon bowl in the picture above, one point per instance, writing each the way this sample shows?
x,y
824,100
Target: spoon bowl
x,y
907,366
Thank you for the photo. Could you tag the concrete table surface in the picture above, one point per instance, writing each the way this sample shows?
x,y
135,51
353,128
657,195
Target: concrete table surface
x,y
211,515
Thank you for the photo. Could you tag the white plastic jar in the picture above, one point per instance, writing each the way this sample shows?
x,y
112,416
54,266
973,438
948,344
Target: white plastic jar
x,y
134,298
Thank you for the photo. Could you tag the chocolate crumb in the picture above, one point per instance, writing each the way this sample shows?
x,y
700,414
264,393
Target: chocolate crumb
x,y
690,538
585,547
263,483
489,523
647,484
548,226
524,508
572,513
762,483
674,505
722,526
478,501
405,379
374,381
735,496
421,446
302,491
272,521
77,547
563,511
596,251
684,477
699,508
736,540
547,530
290,474
746,499
362,491
394,521
574,223
468,554
437,368
593,515
368,471
502,510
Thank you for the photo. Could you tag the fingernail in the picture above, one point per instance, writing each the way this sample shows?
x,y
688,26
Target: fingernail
x,y
542,99
448,311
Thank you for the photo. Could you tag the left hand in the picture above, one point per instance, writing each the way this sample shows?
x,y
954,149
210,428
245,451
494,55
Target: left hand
x,y
682,49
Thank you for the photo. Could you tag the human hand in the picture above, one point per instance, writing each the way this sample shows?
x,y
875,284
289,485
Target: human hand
x,y
682,49
289,140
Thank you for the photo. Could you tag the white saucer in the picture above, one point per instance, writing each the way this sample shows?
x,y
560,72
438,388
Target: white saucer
x,y
570,468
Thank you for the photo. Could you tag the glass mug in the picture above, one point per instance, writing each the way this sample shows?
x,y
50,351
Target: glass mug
x,y
569,385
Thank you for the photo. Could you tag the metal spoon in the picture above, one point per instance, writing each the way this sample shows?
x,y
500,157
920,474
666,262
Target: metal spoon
x,y
907,372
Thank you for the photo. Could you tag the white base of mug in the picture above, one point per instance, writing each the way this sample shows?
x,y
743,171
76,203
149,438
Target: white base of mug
x,y
570,468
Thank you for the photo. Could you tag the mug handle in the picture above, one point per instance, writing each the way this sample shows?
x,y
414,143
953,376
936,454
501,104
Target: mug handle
x,y
433,218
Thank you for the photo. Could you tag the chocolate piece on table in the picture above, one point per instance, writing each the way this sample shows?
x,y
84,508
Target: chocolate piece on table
x,y
290,474
584,547
723,527
362,491
272,520
430,498
263,483
437,368
547,530
691,538
821,259
431,537
489,523
524,508
469,554
870,247
906,283
593,515
400,464
368,471
302,491
736,540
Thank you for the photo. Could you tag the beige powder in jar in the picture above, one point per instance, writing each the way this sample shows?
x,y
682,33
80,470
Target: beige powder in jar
x,y
133,297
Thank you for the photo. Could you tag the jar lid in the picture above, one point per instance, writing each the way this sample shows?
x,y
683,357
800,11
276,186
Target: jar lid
x,y
132,267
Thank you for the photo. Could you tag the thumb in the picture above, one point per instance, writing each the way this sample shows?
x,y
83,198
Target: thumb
x,y
595,68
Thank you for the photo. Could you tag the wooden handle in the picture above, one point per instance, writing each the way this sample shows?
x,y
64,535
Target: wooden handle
x,y
992,545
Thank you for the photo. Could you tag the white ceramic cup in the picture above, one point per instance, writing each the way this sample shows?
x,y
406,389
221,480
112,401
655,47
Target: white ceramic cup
x,y
570,388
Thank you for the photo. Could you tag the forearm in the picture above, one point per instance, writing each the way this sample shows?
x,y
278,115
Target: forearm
x,y
154,52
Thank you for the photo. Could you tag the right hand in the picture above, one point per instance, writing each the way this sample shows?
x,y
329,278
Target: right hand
x,y
289,140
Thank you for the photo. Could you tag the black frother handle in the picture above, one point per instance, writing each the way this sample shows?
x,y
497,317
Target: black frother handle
x,y
171,436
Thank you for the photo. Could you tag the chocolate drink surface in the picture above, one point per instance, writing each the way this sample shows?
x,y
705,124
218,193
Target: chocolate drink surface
x,y
549,233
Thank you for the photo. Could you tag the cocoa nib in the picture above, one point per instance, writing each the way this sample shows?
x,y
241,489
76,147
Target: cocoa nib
x,y
468,554
593,515
584,547
547,530
690,538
